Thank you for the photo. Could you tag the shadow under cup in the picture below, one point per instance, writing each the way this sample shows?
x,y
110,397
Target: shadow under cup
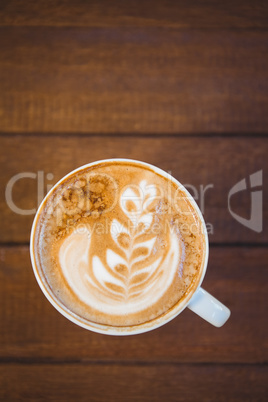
x,y
51,294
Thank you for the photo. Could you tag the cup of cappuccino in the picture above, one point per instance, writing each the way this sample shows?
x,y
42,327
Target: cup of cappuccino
x,y
120,247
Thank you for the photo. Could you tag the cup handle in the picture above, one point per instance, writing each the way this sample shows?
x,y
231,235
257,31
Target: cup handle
x,y
206,306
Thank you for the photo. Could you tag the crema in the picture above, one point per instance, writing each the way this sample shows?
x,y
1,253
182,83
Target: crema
x,y
119,244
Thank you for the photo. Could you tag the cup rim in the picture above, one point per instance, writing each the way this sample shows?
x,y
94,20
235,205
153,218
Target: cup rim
x,y
116,330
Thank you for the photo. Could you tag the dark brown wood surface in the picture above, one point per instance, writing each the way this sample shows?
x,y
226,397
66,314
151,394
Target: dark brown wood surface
x,y
164,14
133,80
120,383
184,86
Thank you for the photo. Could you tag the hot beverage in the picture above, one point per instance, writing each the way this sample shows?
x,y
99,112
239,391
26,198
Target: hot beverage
x,y
118,244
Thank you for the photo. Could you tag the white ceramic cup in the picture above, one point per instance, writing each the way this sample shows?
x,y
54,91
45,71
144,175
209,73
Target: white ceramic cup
x,y
200,301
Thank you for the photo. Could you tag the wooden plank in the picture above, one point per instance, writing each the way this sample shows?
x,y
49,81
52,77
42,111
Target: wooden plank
x,y
32,329
206,14
133,383
217,162
133,80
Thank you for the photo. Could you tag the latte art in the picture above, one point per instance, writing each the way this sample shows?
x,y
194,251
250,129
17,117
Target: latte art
x,y
133,274
118,244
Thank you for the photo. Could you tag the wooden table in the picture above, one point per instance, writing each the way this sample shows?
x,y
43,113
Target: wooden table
x,y
182,85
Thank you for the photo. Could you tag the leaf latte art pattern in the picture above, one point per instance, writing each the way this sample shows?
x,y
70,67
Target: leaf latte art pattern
x,y
136,267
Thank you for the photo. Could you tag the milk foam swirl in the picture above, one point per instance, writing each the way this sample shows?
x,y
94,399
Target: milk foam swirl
x,y
133,273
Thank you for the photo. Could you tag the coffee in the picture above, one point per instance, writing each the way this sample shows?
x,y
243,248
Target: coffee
x,y
118,244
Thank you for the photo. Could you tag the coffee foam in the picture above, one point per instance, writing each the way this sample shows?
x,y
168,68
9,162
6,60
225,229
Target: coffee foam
x,y
140,265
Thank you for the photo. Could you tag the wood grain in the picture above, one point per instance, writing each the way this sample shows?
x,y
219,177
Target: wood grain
x,y
133,80
217,162
34,330
179,14
133,383
182,85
